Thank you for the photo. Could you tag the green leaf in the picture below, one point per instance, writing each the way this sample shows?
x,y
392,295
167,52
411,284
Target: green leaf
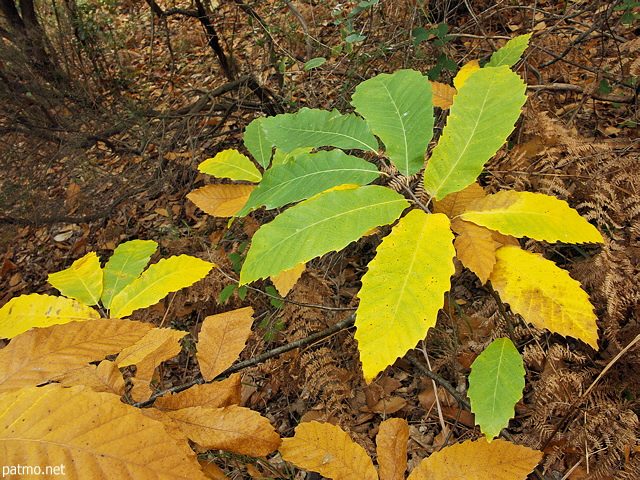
x,y
82,280
318,128
314,63
403,289
495,386
26,311
280,158
399,110
329,221
256,142
306,176
124,266
231,164
510,53
533,215
166,276
226,293
482,116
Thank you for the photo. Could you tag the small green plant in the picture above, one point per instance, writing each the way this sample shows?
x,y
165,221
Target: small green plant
x,y
439,37
404,287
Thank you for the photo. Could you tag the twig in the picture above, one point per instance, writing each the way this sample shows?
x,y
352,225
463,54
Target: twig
x,y
567,87
303,342
439,380
304,26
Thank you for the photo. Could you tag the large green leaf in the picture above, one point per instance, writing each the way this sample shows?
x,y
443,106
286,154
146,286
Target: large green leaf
x,y
511,52
82,280
329,221
533,215
482,116
231,164
318,128
166,276
399,110
26,311
306,176
403,289
495,386
124,266
256,142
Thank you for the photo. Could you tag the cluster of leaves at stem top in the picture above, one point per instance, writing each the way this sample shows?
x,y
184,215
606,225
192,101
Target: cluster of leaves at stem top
x,y
333,205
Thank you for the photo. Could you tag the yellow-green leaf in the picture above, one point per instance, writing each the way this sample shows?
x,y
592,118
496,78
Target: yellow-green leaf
x,y
26,311
231,164
478,460
544,294
403,289
166,276
464,73
328,450
82,280
533,215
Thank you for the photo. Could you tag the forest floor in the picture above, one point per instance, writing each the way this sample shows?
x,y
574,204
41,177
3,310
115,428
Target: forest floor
x,y
577,139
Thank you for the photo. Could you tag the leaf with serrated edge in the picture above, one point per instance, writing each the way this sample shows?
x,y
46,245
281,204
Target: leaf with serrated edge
x,y
285,281
256,142
221,200
403,289
329,221
544,294
146,354
511,52
233,428
221,339
319,128
35,310
399,109
231,164
478,460
90,434
41,354
464,73
307,175
211,395
82,280
328,450
455,203
475,248
104,377
391,447
495,386
481,118
125,265
533,215
160,279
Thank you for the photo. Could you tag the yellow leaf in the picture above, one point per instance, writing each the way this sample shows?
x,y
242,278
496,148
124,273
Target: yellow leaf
x,y
231,164
210,395
26,311
464,73
155,347
166,276
233,428
158,345
328,450
41,354
403,289
104,377
82,280
544,294
455,203
221,200
391,443
442,95
533,215
475,248
285,281
221,340
478,460
88,435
